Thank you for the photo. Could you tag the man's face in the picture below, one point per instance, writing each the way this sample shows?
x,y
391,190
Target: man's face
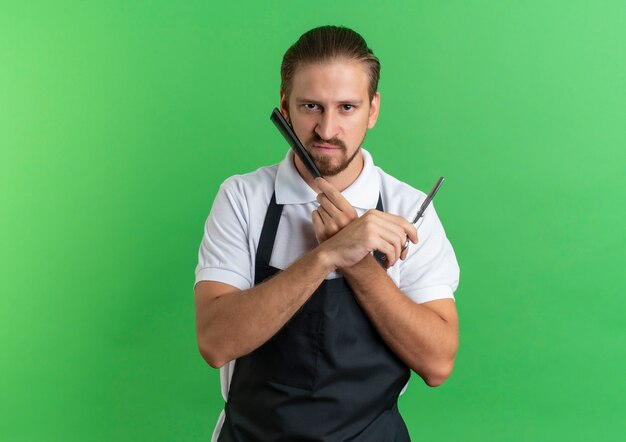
x,y
330,111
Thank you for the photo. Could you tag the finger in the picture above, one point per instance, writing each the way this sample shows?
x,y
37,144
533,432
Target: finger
x,y
330,208
329,223
404,253
384,247
412,234
318,224
334,195
392,232
389,251
409,229
385,240
395,240
324,216
394,223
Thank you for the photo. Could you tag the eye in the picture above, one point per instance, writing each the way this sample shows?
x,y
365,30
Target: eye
x,y
347,107
311,107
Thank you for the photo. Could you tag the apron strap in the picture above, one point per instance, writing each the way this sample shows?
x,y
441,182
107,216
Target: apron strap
x,y
379,255
268,233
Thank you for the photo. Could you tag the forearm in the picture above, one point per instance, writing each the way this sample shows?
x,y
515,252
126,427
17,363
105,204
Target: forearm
x,y
236,323
420,337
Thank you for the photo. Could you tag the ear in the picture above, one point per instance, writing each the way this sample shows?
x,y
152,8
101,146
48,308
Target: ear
x,y
284,106
374,109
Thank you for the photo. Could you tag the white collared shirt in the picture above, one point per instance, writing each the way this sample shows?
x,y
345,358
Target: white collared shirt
x,y
233,228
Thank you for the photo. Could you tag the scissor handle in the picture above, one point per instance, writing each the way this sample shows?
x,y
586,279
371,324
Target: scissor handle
x,y
406,243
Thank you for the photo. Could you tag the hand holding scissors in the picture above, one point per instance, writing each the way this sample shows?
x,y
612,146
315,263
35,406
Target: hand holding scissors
x,y
335,212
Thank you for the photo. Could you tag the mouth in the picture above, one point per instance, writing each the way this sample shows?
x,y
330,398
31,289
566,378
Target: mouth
x,y
325,147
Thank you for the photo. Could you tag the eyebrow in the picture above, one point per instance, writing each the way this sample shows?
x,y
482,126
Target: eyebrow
x,y
301,100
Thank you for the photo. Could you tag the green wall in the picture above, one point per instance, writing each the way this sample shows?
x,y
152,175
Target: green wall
x,y
119,120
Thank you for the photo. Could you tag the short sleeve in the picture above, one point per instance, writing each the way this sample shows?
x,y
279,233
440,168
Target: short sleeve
x,y
430,270
224,254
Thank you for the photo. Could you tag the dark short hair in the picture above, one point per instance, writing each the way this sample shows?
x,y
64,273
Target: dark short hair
x,y
324,44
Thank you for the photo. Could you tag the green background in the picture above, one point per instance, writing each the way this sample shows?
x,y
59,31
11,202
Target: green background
x,y
119,120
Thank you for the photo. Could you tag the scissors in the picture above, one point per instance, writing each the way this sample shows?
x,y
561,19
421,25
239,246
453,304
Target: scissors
x,y
419,217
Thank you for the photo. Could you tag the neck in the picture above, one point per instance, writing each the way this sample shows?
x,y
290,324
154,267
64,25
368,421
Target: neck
x,y
341,181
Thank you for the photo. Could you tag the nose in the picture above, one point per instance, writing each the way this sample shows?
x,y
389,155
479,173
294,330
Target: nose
x,y
328,126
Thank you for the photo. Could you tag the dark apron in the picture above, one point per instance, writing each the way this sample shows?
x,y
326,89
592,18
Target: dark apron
x,y
326,375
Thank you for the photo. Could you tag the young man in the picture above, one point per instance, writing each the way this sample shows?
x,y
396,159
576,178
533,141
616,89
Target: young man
x,y
315,334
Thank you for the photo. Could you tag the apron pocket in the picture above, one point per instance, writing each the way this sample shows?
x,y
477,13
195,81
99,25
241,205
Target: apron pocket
x,y
290,356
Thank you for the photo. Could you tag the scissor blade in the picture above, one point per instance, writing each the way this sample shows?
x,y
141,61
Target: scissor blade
x,y
428,199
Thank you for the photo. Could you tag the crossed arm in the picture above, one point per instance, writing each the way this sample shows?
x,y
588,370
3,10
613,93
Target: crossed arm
x,y
424,336
231,323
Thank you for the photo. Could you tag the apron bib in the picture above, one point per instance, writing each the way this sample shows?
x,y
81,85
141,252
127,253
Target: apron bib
x,y
327,375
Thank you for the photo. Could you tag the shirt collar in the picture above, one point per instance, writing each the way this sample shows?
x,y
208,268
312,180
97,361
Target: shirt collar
x,y
290,188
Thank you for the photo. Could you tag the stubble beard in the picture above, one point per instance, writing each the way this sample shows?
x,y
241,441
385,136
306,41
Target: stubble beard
x,y
325,162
